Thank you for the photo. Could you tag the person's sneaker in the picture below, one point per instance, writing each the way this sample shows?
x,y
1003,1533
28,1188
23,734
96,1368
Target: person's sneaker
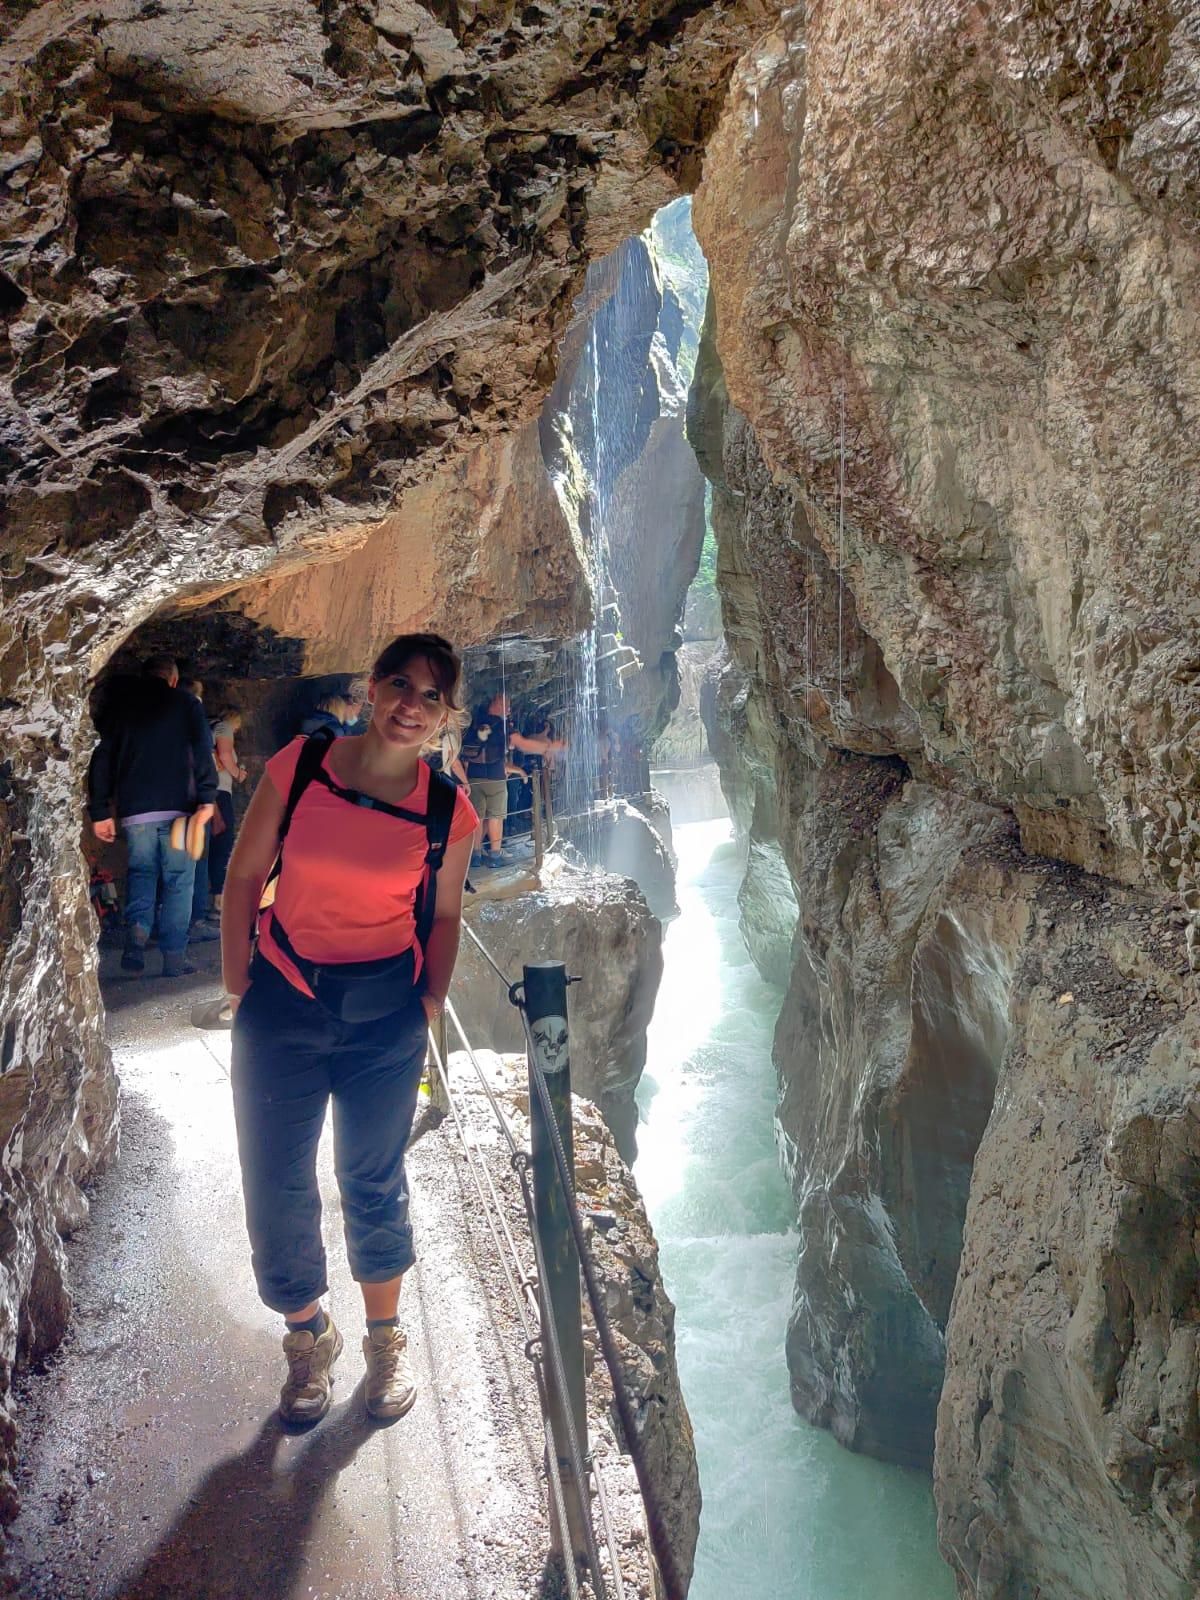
x,y
497,858
133,957
477,859
176,964
390,1387
203,928
306,1395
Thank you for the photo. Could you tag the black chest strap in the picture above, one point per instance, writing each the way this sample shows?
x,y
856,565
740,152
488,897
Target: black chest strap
x,y
436,820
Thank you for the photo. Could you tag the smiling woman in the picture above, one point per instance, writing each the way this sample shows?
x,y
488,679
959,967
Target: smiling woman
x,y
335,984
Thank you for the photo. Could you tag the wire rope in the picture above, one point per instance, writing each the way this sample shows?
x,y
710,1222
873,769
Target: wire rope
x,y
553,1469
487,955
841,539
665,1556
655,1526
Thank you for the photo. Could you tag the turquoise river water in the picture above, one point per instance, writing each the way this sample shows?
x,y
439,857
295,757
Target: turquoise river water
x,y
788,1514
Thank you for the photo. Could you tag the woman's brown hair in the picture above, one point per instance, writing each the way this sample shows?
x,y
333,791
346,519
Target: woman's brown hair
x,y
446,670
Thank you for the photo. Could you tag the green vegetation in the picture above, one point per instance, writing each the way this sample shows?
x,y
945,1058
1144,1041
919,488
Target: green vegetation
x,y
705,581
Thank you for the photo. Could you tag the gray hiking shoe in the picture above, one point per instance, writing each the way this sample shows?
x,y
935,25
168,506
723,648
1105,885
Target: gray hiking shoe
x,y
390,1388
306,1395
176,964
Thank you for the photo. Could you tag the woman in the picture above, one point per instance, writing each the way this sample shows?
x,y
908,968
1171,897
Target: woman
x,y
342,926
226,728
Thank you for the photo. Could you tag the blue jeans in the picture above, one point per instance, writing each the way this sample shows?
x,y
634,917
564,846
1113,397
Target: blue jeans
x,y
200,885
151,861
291,1057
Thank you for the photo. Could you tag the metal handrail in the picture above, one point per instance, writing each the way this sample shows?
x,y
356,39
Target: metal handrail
x,y
664,1555
656,1527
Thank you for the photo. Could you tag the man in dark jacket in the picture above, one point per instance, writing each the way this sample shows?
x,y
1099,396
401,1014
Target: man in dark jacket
x,y
154,763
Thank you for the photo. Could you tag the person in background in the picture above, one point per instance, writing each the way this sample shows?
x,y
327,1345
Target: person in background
x,y
334,993
153,764
335,712
486,745
202,926
358,700
229,771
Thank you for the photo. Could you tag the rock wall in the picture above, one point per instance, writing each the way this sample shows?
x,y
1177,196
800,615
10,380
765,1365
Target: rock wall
x,y
601,926
263,270
951,435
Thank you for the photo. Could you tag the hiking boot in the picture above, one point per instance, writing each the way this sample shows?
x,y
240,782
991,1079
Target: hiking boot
x,y
390,1388
203,928
176,964
306,1395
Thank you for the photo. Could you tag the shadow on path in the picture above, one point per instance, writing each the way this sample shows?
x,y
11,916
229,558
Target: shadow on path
x,y
245,1529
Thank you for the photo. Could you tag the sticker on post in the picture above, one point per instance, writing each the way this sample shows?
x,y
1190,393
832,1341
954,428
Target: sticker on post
x,y
550,1037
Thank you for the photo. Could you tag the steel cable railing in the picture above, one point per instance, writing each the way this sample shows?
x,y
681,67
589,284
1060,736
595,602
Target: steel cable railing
x,y
664,1555
519,1161
656,1527
553,1470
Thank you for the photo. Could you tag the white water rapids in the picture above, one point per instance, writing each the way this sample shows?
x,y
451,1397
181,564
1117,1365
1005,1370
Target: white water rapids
x,y
787,1512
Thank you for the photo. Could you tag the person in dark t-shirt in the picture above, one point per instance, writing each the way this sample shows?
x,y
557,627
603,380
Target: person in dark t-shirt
x,y
154,763
486,744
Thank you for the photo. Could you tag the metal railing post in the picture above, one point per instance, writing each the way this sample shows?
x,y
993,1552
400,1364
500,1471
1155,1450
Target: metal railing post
x,y
549,804
546,1007
535,796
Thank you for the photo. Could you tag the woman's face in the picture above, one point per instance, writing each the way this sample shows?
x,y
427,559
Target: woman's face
x,y
407,705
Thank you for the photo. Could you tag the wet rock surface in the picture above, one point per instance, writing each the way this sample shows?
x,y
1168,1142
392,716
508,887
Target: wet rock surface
x,y
621,838
602,928
975,268
949,689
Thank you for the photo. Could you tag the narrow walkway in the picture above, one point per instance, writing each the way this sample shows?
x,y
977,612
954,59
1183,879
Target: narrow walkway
x,y
154,1463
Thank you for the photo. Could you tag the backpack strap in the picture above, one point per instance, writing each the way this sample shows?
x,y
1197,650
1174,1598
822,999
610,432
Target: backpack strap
x,y
308,764
439,814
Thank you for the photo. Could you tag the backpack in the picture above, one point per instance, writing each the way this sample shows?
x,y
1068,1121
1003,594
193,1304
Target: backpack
x,y
443,792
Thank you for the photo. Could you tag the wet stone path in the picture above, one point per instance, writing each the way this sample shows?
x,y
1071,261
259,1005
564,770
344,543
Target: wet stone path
x,y
153,1462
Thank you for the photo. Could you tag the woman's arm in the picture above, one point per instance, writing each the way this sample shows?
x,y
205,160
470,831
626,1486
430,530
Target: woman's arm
x,y
227,759
253,857
442,950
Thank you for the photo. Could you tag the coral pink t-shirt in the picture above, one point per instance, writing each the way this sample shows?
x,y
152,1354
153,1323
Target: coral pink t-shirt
x,y
350,875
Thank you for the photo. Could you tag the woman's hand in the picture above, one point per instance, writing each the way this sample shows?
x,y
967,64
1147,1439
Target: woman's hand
x,y
433,1008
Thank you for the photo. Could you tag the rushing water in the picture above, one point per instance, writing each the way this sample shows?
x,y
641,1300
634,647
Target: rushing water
x,y
788,1514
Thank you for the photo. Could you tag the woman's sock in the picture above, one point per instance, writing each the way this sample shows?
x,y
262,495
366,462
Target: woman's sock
x,y
315,1325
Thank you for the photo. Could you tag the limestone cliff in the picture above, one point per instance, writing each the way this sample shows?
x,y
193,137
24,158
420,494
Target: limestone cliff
x,y
263,270
952,440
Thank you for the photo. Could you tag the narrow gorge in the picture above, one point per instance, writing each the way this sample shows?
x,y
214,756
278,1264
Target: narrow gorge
x,y
321,323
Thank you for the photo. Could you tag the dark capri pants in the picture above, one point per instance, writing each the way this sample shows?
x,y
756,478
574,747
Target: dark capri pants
x,y
290,1058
